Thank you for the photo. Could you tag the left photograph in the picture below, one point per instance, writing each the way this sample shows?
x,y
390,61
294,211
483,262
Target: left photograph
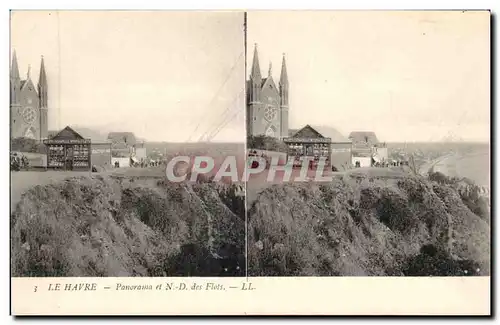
x,y
127,143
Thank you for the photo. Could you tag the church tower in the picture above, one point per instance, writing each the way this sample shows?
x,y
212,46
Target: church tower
x,y
283,85
15,89
43,101
28,104
267,111
15,81
253,97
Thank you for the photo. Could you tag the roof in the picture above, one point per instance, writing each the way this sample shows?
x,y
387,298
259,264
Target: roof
x,y
324,131
68,133
28,82
91,134
126,137
330,132
119,146
364,137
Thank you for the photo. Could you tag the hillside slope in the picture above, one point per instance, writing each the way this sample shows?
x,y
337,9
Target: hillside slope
x,y
127,227
410,226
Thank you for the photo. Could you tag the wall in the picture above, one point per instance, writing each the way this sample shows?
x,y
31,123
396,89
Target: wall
x,y
101,155
382,153
341,155
140,153
269,96
124,162
364,161
28,98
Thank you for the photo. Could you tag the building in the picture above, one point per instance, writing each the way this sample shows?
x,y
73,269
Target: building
x,y
367,149
267,102
127,138
363,139
126,149
320,141
140,153
28,104
70,150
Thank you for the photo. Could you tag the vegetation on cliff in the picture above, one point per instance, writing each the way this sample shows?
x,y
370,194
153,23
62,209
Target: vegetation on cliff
x,y
109,227
386,227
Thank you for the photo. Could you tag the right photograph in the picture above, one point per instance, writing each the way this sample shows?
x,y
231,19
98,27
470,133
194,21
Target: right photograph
x,y
368,141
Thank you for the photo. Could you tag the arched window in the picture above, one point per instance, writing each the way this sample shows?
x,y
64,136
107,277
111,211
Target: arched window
x,y
271,132
30,133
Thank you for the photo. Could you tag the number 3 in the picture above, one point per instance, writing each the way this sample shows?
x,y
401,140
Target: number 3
x,y
35,288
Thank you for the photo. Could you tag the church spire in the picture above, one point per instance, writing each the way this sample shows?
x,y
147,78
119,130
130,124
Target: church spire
x,y
255,79
28,75
283,84
42,85
42,80
284,75
14,69
15,80
270,71
255,74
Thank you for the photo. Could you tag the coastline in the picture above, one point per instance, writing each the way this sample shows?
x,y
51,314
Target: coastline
x,y
469,165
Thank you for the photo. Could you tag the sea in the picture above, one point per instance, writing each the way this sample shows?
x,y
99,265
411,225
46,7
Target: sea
x,y
474,165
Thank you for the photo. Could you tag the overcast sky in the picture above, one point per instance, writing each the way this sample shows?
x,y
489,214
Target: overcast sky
x,y
408,76
152,73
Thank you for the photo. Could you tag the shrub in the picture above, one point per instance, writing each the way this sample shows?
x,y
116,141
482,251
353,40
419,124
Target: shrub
x,y
262,142
27,145
433,261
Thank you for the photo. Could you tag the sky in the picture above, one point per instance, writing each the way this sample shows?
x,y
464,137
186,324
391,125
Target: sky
x,y
166,76
407,76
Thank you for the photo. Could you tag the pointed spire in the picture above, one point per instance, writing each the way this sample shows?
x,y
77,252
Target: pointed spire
x,y
14,70
270,71
42,80
28,75
42,86
283,84
255,74
284,75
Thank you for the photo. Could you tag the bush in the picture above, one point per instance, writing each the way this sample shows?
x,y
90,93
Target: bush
x,y
262,142
433,261
27,145
469,192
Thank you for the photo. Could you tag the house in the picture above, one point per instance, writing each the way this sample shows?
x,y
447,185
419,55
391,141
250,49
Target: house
x,y
321,141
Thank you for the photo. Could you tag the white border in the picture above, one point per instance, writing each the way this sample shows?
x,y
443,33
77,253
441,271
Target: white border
x,y
186,4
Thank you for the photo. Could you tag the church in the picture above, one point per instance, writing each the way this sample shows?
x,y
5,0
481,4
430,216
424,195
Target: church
x,y
28,104
267,102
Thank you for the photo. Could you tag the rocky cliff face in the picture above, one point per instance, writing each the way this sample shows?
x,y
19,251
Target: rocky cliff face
x,y
128,227
410,226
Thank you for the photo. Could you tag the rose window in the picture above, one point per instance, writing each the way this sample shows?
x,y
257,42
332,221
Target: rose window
x,y
270,113
29,115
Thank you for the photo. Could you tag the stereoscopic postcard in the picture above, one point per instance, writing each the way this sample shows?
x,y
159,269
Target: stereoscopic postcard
x,y
250,163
